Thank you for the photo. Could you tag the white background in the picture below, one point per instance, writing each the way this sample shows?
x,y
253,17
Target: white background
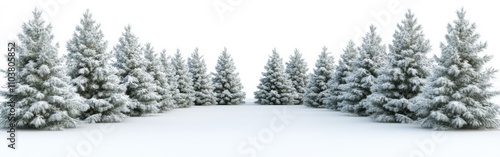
x,y
250,29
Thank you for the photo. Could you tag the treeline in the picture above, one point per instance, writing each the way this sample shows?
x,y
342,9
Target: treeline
x,y
92,84
402,85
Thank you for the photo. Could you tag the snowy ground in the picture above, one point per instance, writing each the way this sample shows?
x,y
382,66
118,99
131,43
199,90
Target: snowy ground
x,y
267,131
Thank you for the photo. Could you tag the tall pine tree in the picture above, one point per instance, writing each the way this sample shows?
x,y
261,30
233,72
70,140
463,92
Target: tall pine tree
x,y
340,75
185,97
44,98
155,68
371,57
317,86
275,87
203,89
227,85
141,87
403,77
457,94
296,68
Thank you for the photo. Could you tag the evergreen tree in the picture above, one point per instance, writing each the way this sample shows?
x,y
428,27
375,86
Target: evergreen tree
x,y
275,87
155,68
227,84
92,74
167,67
44,98
140,85
317,87
371,57
340,75
185,97
296,68
204,94
457,94
403,77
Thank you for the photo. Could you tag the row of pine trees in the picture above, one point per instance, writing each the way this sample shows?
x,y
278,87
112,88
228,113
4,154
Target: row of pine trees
x,y
93,85
403,85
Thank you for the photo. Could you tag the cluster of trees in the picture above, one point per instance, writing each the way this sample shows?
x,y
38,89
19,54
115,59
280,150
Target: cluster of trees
x,y
446,92
404,86
280,86
93,85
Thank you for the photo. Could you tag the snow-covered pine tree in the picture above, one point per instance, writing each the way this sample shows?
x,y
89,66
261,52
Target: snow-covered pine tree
x,y
202,85
155,68
165,62
185,97
140,85
340,75
403,77
371,57
275,87
296,68
227,85
92,74
457,95
317,86
44,96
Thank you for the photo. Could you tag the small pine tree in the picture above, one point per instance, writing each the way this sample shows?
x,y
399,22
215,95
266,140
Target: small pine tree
x,y
402,78
296,68
275,87
371,57
457,94
185,97
165,62
204,94
154,68
141,87
227,84
340,75
44,98
317,87
92,74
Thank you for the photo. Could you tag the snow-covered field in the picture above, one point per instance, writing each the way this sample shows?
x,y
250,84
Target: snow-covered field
x,y
242,130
